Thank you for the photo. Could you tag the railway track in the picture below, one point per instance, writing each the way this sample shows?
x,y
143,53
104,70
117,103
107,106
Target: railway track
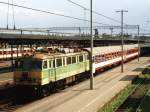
x,y
13,102
10,100
7,96
5,69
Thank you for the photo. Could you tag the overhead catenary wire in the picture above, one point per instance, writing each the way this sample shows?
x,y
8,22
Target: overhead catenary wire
x,y
93,11
144,30
52,13
85,23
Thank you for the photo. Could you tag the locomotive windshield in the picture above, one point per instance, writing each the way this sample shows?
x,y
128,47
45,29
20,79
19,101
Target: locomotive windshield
x,y
29,64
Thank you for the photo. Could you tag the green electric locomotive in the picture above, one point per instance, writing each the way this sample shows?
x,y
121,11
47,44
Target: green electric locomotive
x,y
43,71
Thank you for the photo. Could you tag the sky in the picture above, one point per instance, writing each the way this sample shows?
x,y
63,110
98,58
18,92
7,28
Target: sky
x,y
138,13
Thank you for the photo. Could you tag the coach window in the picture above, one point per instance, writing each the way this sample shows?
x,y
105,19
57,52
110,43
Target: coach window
x,y
100,58
59,62
73,59
80,58
113,55
104,59
120,53
68,60
45,64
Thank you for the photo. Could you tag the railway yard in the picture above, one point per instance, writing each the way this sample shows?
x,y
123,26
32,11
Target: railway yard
x,y
79,98
50,79
69,56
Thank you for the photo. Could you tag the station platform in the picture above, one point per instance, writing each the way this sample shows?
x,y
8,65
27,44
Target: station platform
x,y
5,64
80,98
6,79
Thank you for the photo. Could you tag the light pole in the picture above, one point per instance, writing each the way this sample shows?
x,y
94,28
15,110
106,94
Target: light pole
x,y
91,55
138,42
122,38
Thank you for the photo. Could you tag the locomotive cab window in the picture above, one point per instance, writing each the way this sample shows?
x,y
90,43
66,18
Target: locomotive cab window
x,y
36,64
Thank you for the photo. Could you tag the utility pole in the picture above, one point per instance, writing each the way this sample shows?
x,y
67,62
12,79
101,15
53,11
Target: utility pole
x,y
85,20
138,42
91,55
122,38
79,32
111,32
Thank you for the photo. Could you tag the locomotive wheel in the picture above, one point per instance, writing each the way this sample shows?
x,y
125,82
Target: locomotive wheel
x,y
46,90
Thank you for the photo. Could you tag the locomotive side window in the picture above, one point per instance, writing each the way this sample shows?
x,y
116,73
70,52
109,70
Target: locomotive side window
x,y
45,64
54,63
68,60
88,57
74,59
80,58
64,61
50,64
85,57
59,62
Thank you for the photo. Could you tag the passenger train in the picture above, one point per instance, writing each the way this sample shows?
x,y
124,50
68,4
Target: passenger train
x,y
7,53
44,71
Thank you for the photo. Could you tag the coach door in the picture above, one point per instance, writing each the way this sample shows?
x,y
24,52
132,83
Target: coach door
x,y
51,70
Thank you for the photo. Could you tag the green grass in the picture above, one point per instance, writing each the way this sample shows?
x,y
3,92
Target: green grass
x,y
145,107
145,104
121,97
138,94
118,100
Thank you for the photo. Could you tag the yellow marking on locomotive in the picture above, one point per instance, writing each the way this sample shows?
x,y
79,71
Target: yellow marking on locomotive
x,y
36,75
